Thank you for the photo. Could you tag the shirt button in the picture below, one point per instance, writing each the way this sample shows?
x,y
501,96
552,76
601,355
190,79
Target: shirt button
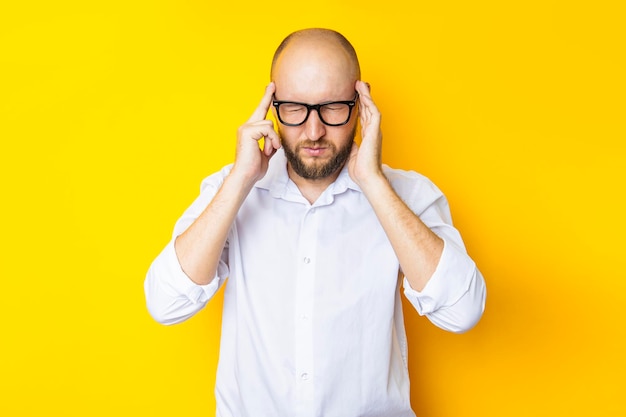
x,y
304,376
307,260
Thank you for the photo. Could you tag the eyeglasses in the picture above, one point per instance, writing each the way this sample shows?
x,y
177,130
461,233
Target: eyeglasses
x,y
332,113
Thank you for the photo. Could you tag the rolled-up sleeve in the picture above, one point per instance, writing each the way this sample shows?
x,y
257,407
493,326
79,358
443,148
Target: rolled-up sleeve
x,y
454,297
171,296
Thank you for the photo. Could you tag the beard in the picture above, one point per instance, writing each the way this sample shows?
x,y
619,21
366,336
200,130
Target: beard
x,y
318,169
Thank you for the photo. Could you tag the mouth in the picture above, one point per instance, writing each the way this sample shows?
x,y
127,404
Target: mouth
x,y
314,151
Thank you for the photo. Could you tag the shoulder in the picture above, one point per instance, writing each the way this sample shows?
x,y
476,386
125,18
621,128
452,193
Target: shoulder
x,y
213,182
415,189
409,181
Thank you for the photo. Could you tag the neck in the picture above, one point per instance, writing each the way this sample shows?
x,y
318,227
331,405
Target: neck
x,y
311,189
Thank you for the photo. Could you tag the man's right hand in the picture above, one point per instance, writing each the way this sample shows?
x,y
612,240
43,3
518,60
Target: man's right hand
x,y
250,161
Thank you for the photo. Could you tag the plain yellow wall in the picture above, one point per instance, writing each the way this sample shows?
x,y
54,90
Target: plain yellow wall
x,y
112,112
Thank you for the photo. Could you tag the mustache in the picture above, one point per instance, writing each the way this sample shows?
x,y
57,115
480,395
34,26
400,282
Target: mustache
x,y
320,143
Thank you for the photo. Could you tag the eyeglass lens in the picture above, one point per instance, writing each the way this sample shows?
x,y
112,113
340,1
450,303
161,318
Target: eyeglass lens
x,y
332,113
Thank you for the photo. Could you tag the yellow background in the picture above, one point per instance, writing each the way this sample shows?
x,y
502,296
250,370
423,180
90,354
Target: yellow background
x,y
112,112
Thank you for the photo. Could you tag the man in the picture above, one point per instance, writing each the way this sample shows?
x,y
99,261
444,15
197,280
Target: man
x,y
316,237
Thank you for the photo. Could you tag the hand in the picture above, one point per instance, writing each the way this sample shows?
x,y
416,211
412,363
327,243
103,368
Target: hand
x,y
365,162
250,161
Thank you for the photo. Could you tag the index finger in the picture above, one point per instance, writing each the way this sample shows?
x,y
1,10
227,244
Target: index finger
x,y
261,111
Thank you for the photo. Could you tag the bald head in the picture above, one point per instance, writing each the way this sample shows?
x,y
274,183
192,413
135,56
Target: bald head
x,y
315,66
315,38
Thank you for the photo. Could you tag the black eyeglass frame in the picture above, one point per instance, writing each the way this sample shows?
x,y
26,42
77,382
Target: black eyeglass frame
x,y
316,107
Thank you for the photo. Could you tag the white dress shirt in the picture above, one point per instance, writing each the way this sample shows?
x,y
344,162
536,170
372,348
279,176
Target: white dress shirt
x,y
312,319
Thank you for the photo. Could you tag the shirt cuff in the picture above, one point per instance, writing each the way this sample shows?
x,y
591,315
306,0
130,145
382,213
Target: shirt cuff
x,y
449,282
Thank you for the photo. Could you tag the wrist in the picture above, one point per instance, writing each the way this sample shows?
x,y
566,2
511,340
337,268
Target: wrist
x,y
374,182
240,179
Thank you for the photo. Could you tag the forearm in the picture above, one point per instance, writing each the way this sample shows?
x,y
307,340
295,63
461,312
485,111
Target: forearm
x,y
418,249
199,248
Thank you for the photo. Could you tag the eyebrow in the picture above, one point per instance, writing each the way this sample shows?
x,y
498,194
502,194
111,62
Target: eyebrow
x,y
356,95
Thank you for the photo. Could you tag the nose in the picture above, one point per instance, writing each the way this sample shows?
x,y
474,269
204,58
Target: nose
x,y
314,128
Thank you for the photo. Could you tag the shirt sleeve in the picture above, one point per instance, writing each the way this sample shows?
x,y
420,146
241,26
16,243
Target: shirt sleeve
x,y
171,296
454,297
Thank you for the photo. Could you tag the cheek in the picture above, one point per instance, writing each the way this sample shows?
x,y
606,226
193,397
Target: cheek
x,y
289,136
292,134
345,135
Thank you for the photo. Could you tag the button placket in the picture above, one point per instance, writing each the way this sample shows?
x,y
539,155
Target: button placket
x,y
305,284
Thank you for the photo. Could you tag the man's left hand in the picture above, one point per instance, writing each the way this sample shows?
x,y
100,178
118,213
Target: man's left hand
x,y
365,161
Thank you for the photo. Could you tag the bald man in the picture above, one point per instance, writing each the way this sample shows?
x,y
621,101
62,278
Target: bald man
x,y
317,239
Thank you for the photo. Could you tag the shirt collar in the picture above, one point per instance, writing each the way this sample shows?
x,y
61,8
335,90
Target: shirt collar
x,y
278,183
